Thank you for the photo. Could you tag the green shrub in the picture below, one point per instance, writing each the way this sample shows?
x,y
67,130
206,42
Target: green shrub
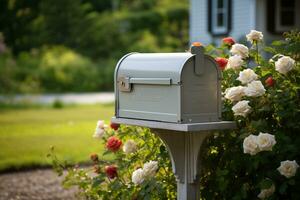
x,y
58,104
149,148
230,172
51,69
62,69
8,68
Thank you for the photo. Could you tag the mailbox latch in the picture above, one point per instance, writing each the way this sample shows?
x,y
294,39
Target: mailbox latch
x,y
124,84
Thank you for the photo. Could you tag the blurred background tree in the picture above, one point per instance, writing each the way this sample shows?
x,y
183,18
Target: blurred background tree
x,y
51,44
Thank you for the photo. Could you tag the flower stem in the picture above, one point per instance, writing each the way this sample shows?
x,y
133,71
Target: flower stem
x,y
256,44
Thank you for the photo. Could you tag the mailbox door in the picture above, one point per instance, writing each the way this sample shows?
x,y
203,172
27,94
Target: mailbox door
x,y
157,102
201,94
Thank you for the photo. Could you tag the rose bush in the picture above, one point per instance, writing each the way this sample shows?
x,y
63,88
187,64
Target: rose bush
x,y
260,159
139,169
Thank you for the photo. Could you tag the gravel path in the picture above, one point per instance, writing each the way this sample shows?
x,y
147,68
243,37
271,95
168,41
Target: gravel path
x,y
34,185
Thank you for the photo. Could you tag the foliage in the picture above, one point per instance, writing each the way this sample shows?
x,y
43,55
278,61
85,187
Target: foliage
x,y
16,19
64,70
51,69
96,185
7,73
228,172
99,32
276,112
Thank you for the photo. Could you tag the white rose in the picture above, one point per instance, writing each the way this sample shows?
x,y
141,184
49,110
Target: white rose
x,y
284,64
241,108
99,132
100,124
288,168
265,141
250,145
240,49
138,176
255,89
235,93
265,193
247,76
254,36
235,62
150,168
100,129
129,147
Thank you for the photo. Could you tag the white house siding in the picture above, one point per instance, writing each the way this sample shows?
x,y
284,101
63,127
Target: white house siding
x,y
243,18
198,22
246,15
261,21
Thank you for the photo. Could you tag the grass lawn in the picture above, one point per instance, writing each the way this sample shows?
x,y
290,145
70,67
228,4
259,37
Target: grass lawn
x,y
27,134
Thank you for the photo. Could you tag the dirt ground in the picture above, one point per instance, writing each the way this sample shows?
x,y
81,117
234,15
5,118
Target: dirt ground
x,y
41,184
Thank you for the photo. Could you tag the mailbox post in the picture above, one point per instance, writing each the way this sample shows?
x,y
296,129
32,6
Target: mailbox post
x,y
184,143
177,96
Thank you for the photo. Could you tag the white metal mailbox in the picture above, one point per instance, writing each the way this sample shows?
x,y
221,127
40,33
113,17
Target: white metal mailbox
x,y
168,87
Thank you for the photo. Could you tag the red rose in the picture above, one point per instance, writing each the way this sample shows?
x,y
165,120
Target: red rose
x,y
94,157
222,62
228,41
114,126
113,143
111,171
270,81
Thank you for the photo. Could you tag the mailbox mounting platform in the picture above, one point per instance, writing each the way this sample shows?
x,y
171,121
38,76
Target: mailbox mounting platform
x,y
184,143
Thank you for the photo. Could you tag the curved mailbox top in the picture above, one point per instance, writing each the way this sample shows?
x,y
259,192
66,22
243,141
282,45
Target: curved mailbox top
x,y
158,65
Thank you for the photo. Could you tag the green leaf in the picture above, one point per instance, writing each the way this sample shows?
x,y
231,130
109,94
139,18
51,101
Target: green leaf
x,y
277,43
292,182
265,73
266,184
282,188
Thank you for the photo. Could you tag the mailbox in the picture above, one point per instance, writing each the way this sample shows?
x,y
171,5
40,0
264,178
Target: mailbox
x,y
168,87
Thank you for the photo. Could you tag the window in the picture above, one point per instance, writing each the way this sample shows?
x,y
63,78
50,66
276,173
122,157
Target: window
x,y
219,16
285,15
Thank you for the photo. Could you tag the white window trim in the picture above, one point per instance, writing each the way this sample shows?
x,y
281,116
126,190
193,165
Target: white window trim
x,y
278,26
216,29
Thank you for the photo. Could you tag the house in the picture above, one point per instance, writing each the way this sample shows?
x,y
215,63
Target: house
x,y
211,20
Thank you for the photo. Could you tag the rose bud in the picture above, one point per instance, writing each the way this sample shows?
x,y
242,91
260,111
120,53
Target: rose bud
x,y
270,82
97,169
94,157
114,126
228,41
113,143
222,62
111,171
196,44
